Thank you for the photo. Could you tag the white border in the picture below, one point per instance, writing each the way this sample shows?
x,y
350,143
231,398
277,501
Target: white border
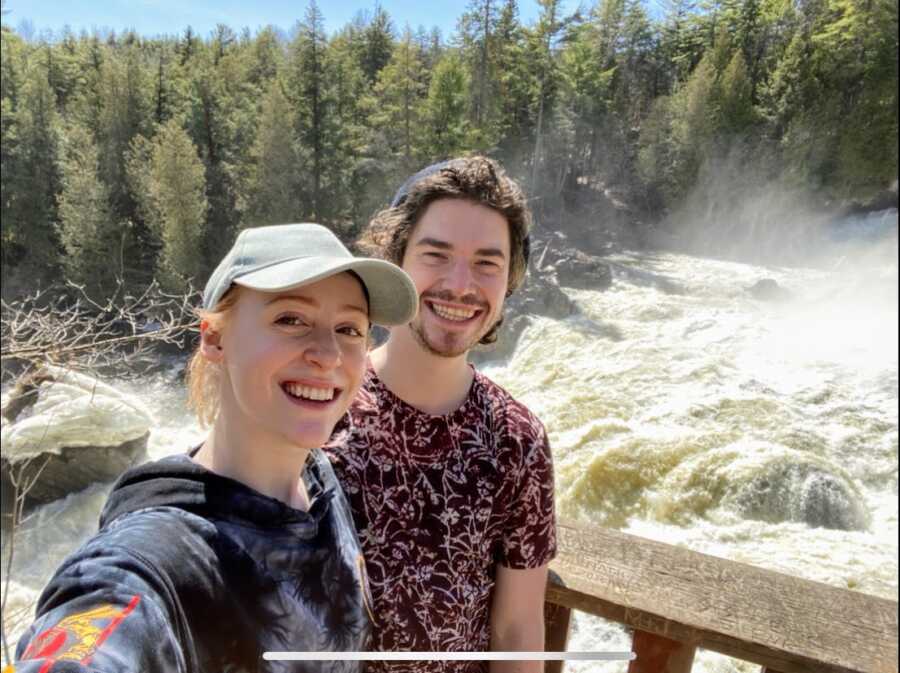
x,y
448,656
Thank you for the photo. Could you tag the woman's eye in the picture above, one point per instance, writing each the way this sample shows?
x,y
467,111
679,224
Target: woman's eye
x,y
351,330
290,320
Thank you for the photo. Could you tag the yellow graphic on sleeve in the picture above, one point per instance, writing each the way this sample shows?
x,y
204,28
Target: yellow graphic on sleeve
x,y
9,669
77,637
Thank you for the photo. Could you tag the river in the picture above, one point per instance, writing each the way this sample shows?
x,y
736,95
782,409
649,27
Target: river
x,y
682,409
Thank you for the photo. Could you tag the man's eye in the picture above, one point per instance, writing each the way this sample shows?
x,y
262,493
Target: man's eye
x,y
488,266
435,256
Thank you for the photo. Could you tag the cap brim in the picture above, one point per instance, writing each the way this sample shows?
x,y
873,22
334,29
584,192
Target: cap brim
x,y
393,299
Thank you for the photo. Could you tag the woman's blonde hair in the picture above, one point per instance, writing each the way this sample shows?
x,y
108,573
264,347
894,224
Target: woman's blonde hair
x,y
204,378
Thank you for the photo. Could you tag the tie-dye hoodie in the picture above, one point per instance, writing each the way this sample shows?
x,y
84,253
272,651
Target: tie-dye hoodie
x,y
192,572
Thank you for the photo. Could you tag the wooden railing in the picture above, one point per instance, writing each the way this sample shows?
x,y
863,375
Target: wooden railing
x,y
676,600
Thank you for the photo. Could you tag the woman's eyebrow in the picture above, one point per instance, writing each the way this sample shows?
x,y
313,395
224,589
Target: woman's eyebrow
x,y
355,308
290,297
315,304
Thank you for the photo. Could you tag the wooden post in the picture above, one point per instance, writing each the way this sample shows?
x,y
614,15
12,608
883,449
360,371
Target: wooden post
x,y
556,633
656,654
557,620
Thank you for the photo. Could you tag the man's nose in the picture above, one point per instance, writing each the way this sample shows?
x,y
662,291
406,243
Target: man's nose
x,y
323,350
459,278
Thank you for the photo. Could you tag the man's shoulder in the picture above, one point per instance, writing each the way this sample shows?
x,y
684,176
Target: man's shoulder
x,y
367,398
509,416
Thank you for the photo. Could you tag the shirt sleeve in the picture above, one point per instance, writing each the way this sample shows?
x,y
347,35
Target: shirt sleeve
x,y
104,611
529,539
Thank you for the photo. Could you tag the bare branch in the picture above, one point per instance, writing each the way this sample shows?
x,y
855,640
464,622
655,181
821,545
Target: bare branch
x,y
121,336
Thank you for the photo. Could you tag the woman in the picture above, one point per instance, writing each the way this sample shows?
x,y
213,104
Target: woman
x,y
205,561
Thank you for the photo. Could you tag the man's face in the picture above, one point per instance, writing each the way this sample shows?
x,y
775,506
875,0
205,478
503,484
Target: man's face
x,y
458,256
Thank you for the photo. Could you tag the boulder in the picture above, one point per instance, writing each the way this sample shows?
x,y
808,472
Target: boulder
x,y
539,295
768,289
803,492
581,271
65,431
571,267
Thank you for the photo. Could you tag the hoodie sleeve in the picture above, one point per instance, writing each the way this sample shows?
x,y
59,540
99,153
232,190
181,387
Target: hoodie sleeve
x,y
105,611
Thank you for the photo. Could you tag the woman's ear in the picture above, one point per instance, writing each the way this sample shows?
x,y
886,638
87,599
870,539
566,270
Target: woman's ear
x,y
210,342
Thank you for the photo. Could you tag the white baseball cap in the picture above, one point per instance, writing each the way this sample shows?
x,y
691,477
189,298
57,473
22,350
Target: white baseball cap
x,y
285,256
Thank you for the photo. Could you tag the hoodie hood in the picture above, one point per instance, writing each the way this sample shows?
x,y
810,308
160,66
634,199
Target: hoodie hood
x,y
177,481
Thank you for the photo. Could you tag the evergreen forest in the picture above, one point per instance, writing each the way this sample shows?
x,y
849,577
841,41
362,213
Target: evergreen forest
x,y
127,158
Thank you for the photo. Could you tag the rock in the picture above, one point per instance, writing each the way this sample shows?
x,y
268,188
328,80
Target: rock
x,y
507,340
578,270
803,492
570,266
768,289
540,295
74,431
555,264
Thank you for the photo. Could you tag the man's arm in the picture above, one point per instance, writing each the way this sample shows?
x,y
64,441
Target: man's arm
x,y
517,617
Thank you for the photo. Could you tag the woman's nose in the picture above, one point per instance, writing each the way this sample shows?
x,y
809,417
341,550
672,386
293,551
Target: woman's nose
x,y
323,350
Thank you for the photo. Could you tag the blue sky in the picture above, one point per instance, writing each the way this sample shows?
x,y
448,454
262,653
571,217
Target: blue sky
x,y
154,17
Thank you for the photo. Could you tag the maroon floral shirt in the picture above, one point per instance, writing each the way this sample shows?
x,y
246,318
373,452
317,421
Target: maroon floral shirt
x,y
438,501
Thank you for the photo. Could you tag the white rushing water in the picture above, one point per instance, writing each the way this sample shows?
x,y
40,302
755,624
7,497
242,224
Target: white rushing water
x,y
686,411
682,409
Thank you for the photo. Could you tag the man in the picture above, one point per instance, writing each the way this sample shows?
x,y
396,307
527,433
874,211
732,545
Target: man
x,y
450,479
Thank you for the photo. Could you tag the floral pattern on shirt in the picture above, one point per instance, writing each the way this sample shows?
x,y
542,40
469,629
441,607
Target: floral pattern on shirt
x,y
438,501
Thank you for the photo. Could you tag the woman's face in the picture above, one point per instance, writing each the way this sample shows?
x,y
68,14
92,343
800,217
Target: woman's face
x,y
292,361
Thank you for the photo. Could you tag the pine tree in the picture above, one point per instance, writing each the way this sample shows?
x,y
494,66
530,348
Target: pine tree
x,y
445,110
399,95
271,194
220,125
92,240
543,36
125,112
265,59
169,182
736,112
308,89
516,84
477,28
378,43
31,178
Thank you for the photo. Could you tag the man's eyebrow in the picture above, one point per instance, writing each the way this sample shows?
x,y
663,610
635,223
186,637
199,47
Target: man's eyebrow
x,y
490,252
434,243
444,245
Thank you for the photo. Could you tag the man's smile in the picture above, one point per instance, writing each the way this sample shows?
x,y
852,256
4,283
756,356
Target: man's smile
x,y
455,313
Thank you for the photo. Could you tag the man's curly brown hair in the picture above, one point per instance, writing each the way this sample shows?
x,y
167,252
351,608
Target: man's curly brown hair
x,y
476,179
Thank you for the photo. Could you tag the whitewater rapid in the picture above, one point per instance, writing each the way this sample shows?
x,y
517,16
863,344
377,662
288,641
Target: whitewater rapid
x,y
682,409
